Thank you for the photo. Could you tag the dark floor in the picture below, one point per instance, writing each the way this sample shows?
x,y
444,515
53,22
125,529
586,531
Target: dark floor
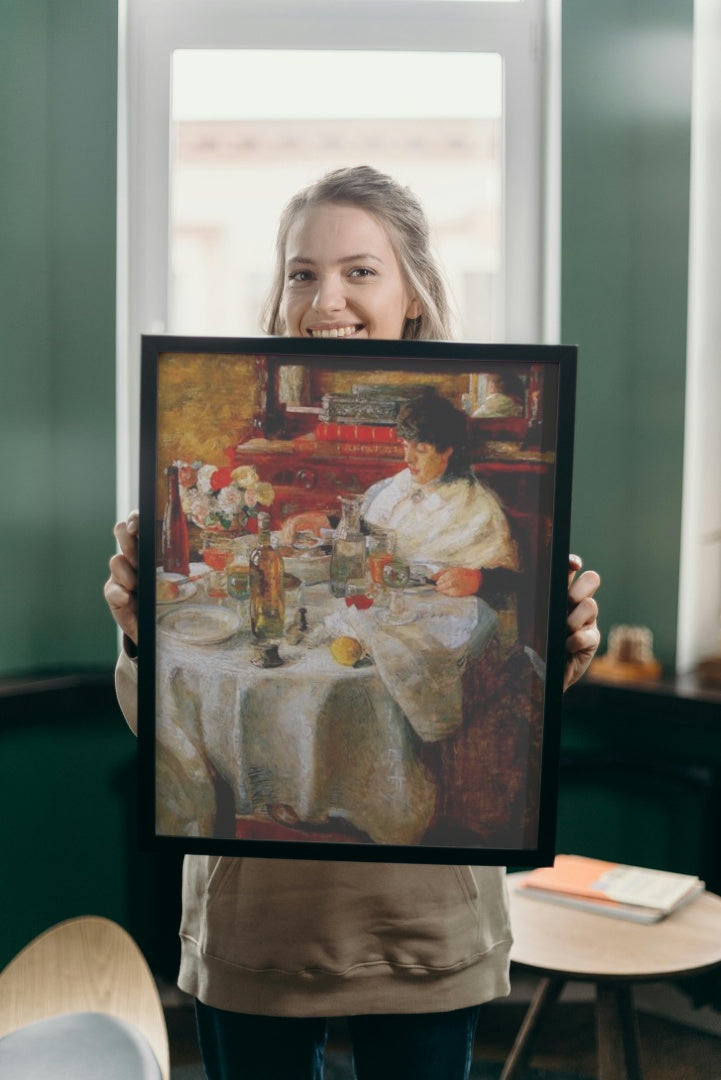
x,y
669,1051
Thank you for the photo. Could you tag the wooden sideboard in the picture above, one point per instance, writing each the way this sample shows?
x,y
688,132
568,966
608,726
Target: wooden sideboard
x,y
310,474
641,773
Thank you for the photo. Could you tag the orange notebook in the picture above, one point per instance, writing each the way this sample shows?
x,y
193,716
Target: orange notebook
x,y
631,892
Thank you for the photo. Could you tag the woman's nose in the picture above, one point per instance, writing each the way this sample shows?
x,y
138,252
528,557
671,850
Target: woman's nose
x,y
329,295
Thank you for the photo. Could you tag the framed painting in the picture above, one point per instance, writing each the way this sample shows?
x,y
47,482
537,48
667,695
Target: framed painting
x,y
352,597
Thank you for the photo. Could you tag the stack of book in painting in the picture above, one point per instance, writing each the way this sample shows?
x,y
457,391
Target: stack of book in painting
x,y
607,888
360,422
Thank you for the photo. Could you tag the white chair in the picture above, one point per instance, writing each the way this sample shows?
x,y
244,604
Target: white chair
x,y
80,1002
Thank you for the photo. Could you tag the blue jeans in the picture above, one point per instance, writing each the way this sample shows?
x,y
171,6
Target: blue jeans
x,y
414,1046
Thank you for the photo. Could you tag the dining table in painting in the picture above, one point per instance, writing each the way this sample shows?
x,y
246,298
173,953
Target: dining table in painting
x,y
313,742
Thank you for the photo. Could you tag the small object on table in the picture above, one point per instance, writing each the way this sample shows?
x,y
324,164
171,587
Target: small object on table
x,y
615,889
629,657
296,630
267,656
238,581
347,651
380,547
709,671
218,552
396,575
358,593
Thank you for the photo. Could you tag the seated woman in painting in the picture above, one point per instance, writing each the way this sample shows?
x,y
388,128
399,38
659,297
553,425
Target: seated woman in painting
x,y
441,514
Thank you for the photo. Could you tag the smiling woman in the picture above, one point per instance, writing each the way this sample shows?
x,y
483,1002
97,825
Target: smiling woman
x,y
332,289
353,259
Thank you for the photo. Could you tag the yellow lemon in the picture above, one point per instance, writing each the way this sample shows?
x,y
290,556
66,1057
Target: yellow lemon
x,y
346,650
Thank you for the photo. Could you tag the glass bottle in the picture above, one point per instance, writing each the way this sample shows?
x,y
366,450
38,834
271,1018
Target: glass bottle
x,y
267,595
347,558
175,529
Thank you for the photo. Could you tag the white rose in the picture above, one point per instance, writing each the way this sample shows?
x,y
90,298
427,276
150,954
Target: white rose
x,y
204,474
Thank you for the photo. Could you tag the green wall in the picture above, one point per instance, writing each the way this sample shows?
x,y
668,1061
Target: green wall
x,y
58,75
626,136
625,167
69,773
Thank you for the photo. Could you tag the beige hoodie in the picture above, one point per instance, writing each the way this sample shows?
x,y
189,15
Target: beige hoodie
x,y
284,937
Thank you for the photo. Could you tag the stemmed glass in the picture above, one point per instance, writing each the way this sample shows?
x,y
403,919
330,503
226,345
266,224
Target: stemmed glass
x,y
396,575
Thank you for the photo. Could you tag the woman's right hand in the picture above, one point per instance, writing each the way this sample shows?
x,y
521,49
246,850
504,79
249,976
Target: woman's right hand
x,y
120,588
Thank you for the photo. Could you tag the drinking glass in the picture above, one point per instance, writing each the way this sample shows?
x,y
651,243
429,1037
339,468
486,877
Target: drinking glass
x,y
396,575
359,592
346,561
238,583
380,545
218,552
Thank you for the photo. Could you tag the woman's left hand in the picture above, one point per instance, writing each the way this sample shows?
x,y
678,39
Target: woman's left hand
x,y
457,581
583,635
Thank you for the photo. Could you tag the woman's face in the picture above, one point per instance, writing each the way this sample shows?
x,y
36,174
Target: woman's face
x,y
424,461
342,277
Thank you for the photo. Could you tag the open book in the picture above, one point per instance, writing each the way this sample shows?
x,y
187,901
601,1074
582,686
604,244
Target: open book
x,y
608,888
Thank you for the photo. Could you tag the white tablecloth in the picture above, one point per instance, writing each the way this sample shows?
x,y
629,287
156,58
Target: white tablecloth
x,y
314,738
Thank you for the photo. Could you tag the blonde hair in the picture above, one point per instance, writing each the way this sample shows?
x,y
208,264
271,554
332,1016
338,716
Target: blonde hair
x,y
402,216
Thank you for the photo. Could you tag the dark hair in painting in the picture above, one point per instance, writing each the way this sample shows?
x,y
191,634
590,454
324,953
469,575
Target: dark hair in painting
x,y
433,419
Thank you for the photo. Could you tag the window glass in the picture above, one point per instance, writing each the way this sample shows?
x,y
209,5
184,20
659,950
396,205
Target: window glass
x,y
251,127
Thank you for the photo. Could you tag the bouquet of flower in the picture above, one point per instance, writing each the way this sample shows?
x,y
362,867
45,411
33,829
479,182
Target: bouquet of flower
x,y
223,499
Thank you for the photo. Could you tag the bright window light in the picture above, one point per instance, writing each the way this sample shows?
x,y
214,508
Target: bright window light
x,y
251,127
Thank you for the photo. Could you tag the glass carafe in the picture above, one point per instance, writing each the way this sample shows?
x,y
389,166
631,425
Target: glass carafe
x,y
348,556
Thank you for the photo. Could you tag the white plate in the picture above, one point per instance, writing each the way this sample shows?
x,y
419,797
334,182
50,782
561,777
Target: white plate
x,y
198,624
198,570
186,589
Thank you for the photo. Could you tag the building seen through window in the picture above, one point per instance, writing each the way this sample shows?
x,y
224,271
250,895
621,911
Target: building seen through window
x,y
231,175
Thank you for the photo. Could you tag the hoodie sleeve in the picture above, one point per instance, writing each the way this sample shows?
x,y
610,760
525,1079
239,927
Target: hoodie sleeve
x,y
126,688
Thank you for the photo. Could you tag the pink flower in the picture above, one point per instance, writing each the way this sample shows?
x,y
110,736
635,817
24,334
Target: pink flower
x,y
187,476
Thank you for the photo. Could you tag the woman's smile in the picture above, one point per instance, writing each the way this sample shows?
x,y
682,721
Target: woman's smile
x,y
342,277
335,331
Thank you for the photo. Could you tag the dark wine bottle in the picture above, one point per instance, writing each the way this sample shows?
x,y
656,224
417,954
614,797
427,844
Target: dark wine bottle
x,y
175,529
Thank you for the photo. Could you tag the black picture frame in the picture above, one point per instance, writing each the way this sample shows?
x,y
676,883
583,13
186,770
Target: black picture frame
x,y
315,758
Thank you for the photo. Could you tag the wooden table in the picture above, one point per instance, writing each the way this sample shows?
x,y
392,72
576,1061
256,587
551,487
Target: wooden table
x,y
563,944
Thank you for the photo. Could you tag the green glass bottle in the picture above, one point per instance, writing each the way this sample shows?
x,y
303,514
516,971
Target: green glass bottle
x,y
267,596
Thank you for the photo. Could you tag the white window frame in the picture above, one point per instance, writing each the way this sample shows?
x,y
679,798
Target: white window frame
x,y
699,597
526,34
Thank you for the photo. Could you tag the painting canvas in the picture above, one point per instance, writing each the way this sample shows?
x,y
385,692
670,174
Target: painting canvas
x,y
352,597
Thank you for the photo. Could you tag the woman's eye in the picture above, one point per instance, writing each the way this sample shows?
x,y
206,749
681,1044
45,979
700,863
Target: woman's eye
x,y
362,272
300,276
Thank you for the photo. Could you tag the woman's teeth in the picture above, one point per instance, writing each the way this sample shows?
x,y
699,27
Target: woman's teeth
x,y
336,332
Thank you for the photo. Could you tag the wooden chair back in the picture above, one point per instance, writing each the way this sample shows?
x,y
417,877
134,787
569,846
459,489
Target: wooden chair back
x,y
86,964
